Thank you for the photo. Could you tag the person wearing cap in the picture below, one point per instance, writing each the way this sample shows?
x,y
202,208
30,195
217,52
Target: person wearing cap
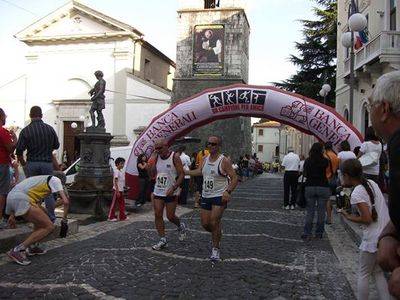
x,y
25,200
98,100
291,162
39,140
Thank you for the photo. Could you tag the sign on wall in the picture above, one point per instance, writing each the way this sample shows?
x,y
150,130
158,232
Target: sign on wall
x,y
208,50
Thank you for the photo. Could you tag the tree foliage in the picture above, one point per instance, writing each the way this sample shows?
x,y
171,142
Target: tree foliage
x,y
317,59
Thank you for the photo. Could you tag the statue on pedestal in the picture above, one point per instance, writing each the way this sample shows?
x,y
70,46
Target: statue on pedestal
x,y
97,97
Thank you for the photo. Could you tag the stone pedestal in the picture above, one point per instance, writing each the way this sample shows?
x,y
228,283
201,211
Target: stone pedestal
x,y
92,189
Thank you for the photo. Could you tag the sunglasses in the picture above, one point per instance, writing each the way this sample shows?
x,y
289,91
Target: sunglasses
x,y
212,144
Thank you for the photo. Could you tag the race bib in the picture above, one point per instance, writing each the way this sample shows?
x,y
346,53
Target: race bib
x,y
208,184
162,181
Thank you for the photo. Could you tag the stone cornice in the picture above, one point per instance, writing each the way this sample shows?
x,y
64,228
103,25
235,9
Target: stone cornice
x,y
77,37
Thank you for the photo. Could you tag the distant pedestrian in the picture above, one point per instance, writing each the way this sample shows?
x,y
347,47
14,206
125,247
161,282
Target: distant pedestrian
x,y
291,162
373,214
25,200
168,167
316,191
118,192
144,182
331,175
39,139
199,180
373,147
217,191
186,166
8,140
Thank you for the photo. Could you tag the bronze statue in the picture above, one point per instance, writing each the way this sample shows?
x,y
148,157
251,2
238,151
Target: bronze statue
x,y
97,94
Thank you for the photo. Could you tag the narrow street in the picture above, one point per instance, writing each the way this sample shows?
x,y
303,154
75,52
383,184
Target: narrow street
x,y
263,257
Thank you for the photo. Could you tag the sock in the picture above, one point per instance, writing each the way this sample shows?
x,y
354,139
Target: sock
x,y
20,247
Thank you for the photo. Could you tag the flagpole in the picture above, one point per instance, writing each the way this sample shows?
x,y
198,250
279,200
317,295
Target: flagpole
x,y
351,96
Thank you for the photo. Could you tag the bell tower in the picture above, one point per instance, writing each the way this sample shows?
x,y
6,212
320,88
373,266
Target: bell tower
x,y
213,51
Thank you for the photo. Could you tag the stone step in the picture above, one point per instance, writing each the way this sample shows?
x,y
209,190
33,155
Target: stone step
x,y
11,237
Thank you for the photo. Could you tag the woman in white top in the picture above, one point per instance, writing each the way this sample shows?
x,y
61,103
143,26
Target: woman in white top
x,y
371,145
373,214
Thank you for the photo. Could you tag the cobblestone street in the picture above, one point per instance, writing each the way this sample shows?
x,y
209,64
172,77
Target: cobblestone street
x,y
263,257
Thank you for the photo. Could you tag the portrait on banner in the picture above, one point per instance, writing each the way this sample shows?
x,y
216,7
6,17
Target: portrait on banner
x,y
208,50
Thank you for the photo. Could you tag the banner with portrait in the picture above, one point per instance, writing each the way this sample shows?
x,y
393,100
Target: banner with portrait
x,y
208,50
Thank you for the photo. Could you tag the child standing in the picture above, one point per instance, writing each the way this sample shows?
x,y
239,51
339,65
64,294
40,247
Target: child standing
x,y
374,215
118,192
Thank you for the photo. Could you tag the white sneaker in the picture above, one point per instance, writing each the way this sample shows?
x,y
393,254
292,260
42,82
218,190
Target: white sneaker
x,y
182,231
215,255
292,207
162,244
112,220
287,207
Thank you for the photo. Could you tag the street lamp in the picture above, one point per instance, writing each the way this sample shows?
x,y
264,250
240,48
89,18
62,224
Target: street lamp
x,y
356,22
326,88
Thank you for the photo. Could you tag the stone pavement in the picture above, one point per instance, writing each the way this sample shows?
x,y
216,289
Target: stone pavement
x,y
263,257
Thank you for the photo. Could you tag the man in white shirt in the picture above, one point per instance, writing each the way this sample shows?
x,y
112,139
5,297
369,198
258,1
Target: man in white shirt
x,y
291,162
186,167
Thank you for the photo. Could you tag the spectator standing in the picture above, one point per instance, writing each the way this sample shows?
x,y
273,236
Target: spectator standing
x,y
39,139
8,140
142,166
331,171
118,192
291,163
373,214
186,167
344,154
371,144
199,180
384,106
316,191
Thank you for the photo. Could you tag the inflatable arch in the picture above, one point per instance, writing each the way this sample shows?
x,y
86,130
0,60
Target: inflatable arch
x,y
305,114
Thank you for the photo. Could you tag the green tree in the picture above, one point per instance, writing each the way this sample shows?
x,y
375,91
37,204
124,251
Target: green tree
x,y
317,59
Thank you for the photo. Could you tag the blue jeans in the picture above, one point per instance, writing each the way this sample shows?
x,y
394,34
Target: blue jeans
x,y
316,197
35,168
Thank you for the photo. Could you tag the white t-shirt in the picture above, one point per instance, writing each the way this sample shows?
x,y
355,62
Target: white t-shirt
x,y
185,163
345,155
291,162
371,147
120,176
372,231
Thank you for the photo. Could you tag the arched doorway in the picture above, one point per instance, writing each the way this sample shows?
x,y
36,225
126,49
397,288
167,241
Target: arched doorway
x,y
305,114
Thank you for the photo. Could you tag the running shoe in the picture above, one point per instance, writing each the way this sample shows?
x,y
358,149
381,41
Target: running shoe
x,y
112,220
35,250
215,255
287,207
162,244
19,257
182,231
291,207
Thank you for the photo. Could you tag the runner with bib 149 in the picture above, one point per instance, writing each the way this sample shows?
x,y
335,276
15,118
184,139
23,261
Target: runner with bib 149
x,y
219,181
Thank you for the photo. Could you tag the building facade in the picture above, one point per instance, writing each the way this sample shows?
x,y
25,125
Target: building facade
x,y
65,48
377,56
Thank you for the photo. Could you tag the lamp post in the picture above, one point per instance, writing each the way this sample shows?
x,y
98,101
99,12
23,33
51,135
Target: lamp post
x,y
356,22
326,88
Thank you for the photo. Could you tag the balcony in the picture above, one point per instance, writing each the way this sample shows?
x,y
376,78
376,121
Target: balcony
x,y
384,48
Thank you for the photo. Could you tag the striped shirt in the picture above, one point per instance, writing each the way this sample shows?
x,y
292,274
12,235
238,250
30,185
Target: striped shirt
x,y
39,139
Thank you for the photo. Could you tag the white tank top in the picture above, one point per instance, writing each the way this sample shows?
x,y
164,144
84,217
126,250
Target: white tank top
x,y
214,181
166,175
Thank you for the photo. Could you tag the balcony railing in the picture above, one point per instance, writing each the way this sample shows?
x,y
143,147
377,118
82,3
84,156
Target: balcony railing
x,y
386,44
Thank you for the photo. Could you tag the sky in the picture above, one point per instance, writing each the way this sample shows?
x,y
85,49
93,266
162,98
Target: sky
x,y
274,30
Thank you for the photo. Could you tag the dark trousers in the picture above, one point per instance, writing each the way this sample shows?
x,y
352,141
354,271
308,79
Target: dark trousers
x,y
184,192
143,188
290,187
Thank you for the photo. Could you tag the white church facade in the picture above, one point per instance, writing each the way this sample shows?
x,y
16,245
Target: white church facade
x,y
65,48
